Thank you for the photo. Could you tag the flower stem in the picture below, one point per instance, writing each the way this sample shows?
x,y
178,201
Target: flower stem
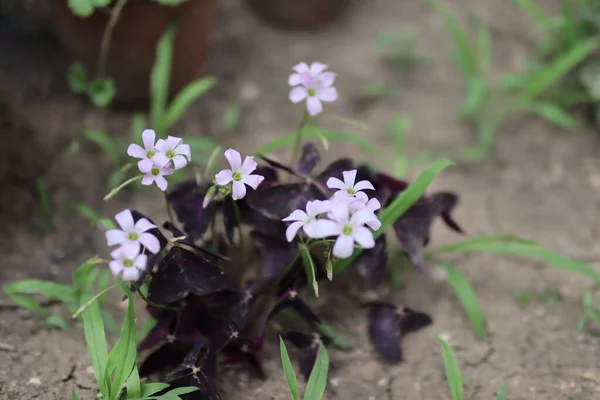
x,y
90,301
121,186
238,219
169,210
107,35
213,232
298,139
150,303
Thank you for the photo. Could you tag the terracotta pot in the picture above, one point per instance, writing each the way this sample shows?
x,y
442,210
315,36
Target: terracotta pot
x,y
134,39
298,14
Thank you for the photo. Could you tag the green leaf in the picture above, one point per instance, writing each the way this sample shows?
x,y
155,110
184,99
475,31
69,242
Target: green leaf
x,y
396,208
185,98
484,49
77,78
96,342
336,338
151,388
81,8
519,247
318,132
564,64
160,77
27,302
81,274
138,124
502,393
467,296
74,395
288,370
50,289
101,91
535,12
465,55
477,91
123,355
134,388
309,267
317,382
45,203
57,322
453,372
101,3
553,114
170,2
109,146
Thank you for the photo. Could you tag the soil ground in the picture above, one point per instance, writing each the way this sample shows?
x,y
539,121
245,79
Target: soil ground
x,y
541,184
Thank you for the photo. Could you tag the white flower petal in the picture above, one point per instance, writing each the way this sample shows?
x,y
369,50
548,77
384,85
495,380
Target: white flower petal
x,y
234,158
161,182
316,68
298,94
165,171
238,190
174,141
349,178
248,166
148,179
135,150
316,207
374,224
184,150
130,249
361,217
327,78
224,177
143,225
335,183
340,213
325,228
150,242
314,106
373,204
125,220
141,261
253,180
160,160
115,236
148,137
145,165
311,229
292,230
328,94
362,196
179,162
130,274
301,67
296,215
294,80
362,185
364,237
343,247
116,267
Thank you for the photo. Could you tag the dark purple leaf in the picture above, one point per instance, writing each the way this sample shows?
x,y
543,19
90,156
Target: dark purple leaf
x,y
235,304
395,185
213,324
182,272
276,254
198,369
447,202
384,332
413,320
188,242
248,351
292,299
278,202
278,165
229,218
308,348
269,174
387,326
165,357
335,169
186,200
308,159
372,263
158,333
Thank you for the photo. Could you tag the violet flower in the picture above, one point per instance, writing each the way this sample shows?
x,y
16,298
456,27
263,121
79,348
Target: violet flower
x,y
314,85
348,187
132,234
240,174
149,154
128,263
155,174
306,219
174,149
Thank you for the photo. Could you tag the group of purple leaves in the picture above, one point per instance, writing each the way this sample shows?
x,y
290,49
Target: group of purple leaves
x,y
212,299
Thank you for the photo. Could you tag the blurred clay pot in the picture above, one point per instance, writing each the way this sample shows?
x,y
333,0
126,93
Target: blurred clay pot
x,y
133,44
298,14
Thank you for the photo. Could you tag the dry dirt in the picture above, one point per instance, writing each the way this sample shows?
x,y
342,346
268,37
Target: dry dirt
x,y
541,184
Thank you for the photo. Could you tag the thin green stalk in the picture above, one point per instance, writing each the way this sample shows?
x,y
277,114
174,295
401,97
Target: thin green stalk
x,y
213,231
107,35
90,301
298,139
238,220
169,210
121,186
150,303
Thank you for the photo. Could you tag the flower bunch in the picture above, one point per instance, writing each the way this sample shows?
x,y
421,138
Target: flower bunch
x,y
159,159
344,216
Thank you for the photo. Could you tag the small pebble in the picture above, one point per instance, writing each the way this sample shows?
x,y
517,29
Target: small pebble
x,y
89,370
445,336
35,394
35,381
250,91
369,371
335,382
382,382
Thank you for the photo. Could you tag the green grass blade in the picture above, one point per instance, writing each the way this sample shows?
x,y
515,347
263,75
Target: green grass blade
x,y
96,342
484,49
27,302
185,98
509,245
49,289
553,114
151,388
336,338
108,145
465,54
134,388
564,64
317,382
45,203
138,124
309,267
121,359
535,12
396,208
74,395
477,91
467,296
318,132
453,372
160,77
288,370
502,393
